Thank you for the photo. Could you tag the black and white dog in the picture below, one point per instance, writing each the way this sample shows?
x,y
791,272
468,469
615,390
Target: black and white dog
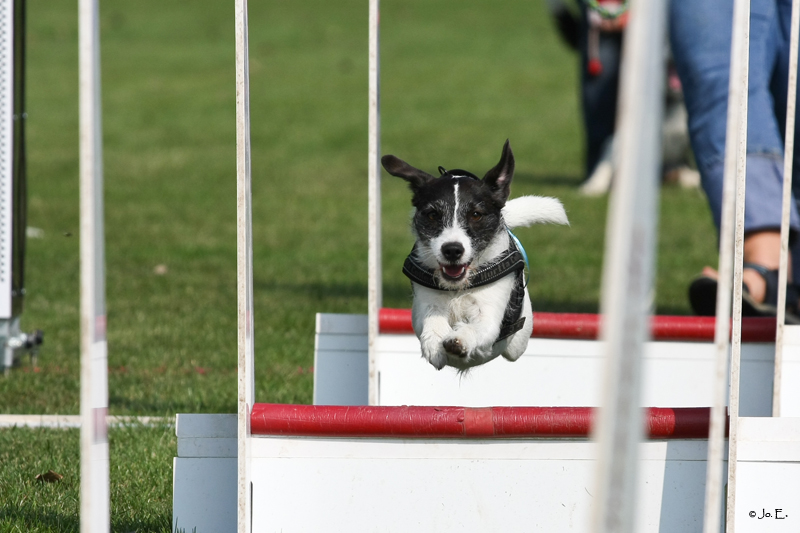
x,y
467,269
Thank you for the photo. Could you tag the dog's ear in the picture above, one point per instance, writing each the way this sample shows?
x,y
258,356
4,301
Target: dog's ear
x,y
415,177
499,178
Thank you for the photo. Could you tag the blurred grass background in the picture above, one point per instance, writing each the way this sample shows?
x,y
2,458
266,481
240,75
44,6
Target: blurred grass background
x,y
457,80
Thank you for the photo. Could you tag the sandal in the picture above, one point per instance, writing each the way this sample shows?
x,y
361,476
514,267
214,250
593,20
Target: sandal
x,y
703,297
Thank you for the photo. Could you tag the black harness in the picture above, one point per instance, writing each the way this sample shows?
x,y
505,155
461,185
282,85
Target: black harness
x,y
509,261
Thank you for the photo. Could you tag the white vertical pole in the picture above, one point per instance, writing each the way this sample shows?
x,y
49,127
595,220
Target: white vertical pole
x,y
731,232
628,266
7,123
244,268
736,333
374,288
788,160
95,514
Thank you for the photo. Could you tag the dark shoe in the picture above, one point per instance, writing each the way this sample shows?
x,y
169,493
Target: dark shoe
x,y
703,297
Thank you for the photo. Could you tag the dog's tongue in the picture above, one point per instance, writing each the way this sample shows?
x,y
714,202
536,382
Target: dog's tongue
x,y
454,271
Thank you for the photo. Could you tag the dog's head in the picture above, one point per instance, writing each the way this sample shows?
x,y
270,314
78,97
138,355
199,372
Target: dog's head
x,y
457,215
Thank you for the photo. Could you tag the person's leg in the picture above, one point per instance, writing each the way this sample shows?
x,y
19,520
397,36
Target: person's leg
x,y
761,248
700,36
779,88
598,92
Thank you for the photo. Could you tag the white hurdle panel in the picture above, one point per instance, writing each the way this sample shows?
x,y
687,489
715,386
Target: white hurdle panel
x,y
676,373
398,481
559,367
317,478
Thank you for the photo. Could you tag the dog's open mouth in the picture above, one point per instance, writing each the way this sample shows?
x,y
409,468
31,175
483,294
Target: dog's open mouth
x,y
454,272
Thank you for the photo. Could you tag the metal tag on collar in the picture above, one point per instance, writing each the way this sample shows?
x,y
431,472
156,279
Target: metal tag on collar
x,y
524,254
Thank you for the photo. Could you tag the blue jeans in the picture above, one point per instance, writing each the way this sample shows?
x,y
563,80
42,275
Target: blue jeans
x,y
700,36
598,93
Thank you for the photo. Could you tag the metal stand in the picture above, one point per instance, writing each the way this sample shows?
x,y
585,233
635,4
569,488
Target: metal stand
x,y
13,196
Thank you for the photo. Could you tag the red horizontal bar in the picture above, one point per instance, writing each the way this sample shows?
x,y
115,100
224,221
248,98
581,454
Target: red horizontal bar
x,y
585,326
460,422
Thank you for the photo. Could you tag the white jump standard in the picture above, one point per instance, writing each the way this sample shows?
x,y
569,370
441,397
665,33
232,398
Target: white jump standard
x,y
13,188
95,491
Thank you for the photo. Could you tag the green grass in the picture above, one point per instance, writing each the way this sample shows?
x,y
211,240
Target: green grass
x,y
141,479
457,80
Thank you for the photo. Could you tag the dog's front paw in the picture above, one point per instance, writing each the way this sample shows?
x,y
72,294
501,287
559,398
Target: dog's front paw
x,y
433,353
455,346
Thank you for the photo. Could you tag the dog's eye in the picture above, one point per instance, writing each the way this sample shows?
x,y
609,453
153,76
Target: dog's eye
x,y
433,215
476,216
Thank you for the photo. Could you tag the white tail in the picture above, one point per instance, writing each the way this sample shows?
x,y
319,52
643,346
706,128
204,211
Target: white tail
x,y
527,210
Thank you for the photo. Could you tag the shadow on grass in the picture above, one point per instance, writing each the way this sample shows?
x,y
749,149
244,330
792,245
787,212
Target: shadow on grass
x,y
153,523
41,519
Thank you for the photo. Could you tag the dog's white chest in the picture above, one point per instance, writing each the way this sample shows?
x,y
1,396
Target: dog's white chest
x,y
460,328
463,307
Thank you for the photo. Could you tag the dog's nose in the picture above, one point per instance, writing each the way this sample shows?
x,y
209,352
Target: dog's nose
x,y
452,251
